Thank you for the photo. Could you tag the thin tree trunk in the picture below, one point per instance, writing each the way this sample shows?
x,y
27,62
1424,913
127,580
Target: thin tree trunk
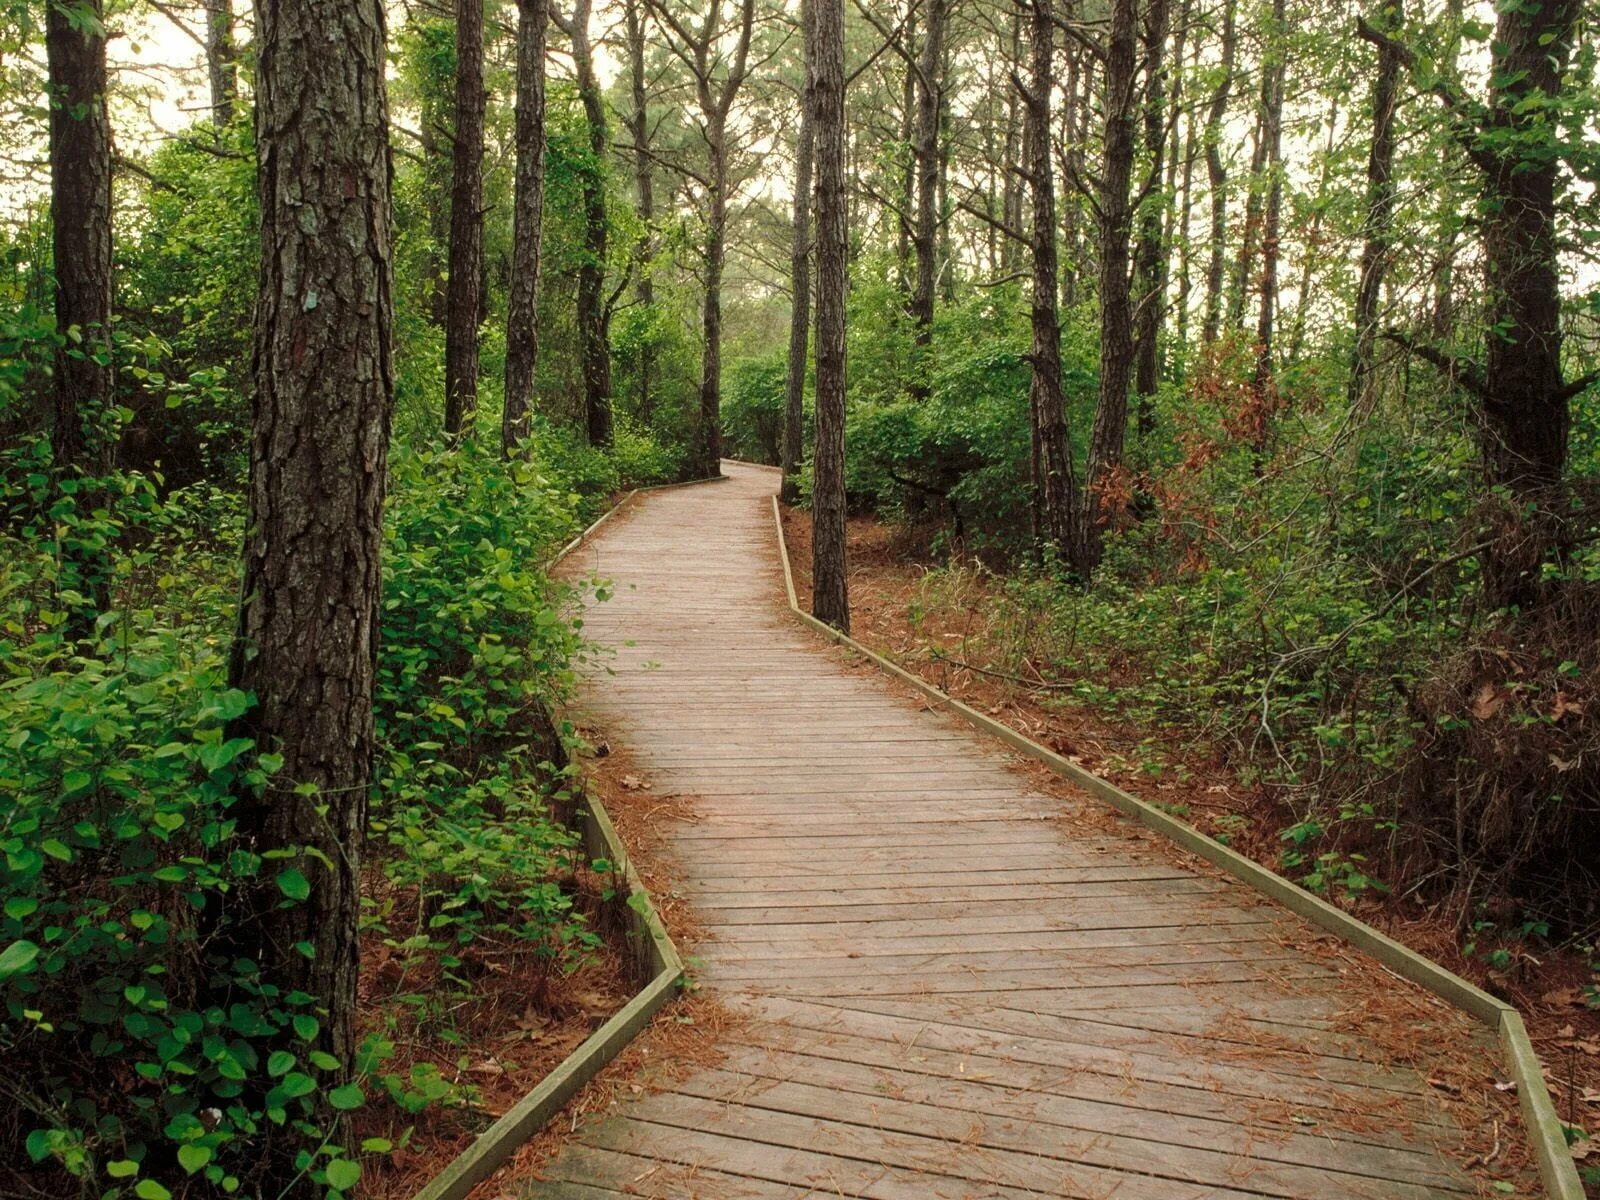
x,y
522,308
1191,151
221,67
464,297
308,625
908,177
1239,284
1217,174
1109,433
800,277
1380,208
593,334
708,452
1054,486
644,185
1150,259
1011,181
926,145
1273,69
830,598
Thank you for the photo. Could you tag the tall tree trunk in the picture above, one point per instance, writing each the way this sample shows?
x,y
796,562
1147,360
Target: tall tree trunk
x,y
1011,179
1150,259
308,624
644,186
593,333
1191,151
1079,70
80,219
1109,434
1526,407
708,447
527,233
464,298
1273,67
925,145
1379,218
830,597
908,175
1217,174
221,67
800,277
1054,487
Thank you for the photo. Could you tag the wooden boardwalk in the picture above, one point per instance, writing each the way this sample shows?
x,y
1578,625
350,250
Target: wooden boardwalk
x,y
952,982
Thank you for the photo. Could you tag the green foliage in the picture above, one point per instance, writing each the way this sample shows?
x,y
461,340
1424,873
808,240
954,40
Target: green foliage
x,y
752,409
135,1060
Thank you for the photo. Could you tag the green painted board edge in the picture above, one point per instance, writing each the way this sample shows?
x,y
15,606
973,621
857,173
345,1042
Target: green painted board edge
x,y
651,941
1545,1130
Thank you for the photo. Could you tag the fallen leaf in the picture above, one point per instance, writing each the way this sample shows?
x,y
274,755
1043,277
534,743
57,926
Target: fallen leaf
x,y
1563,997
1582,1148
1444,1085
1509,1085
1487,702
634,784
1564,705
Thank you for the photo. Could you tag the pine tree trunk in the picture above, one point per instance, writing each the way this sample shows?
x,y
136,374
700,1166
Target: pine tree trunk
x,y
926,144
1526,407
80,219
830,599
644,185
1377,227
1217,175
800,280
593,334
1054,486
708,435
1273,70
1109,433
1150,260
527,234
323,390
464,297
221,66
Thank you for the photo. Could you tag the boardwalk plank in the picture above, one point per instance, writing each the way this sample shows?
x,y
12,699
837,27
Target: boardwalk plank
x,y
947,983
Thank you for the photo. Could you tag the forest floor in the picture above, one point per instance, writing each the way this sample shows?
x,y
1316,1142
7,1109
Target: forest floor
x,y
523,1018
1179,772
683,1038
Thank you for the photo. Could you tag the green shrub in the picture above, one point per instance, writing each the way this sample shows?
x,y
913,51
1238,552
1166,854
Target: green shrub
x,y
753,410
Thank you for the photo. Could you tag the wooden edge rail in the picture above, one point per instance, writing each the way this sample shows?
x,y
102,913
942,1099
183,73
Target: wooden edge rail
x,y
1545,1128
653,951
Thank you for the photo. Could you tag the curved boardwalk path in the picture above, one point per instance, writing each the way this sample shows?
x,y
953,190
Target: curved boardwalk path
x,y
951,979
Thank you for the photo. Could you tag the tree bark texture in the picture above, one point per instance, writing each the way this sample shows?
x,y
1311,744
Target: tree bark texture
x,y
464,296
1379,217
593,321
1217,175
221,61
1054,486
1526,407
829,570
800,279
527,235
80,219
925,148
1150,260
1109,433
644,186
323,392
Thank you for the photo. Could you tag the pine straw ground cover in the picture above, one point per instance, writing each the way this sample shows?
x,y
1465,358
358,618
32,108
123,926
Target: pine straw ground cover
x,y
891,613
686,1035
